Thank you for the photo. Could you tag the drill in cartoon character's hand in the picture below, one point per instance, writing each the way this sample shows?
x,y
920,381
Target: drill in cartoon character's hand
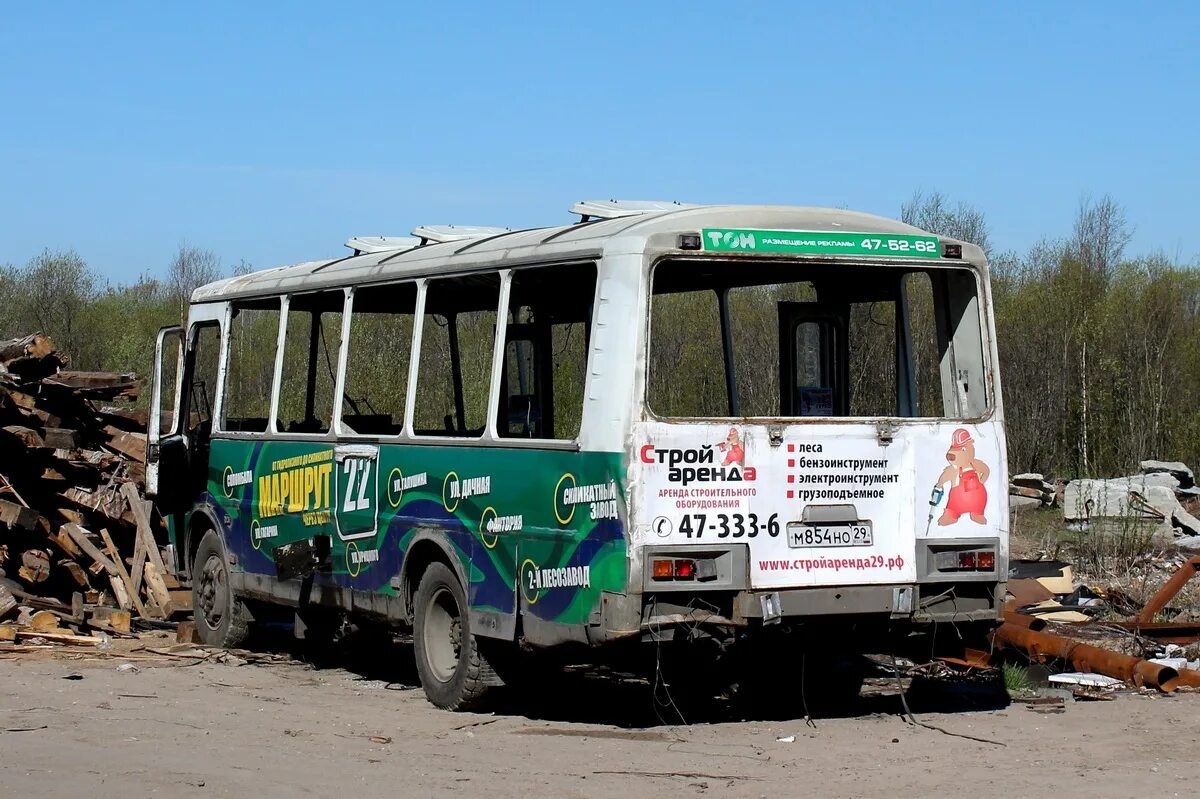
x,y
935,499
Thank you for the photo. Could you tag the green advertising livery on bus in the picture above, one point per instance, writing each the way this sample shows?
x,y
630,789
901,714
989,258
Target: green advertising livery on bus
x,y
776,431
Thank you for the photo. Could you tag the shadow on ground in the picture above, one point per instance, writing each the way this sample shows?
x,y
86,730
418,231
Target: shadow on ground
x,y
546,689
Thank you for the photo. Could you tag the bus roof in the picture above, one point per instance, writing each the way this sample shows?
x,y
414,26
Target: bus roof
x,y
590,239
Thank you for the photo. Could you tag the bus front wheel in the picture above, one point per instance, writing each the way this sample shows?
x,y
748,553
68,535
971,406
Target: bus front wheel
x,y
221,618
453,671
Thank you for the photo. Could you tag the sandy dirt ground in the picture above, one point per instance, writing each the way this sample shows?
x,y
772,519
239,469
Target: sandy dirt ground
x,y
84,726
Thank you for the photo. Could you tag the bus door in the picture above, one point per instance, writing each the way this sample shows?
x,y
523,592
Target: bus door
x,y
166,451
814,359
181,407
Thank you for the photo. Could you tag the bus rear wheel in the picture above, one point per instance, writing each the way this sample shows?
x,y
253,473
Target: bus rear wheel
x,y
221,618
453,671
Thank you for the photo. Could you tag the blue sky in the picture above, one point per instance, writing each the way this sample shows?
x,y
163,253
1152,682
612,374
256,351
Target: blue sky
x,y
274,131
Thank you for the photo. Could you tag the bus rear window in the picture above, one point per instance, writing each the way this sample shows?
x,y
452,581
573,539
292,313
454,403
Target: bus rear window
x,y
771,340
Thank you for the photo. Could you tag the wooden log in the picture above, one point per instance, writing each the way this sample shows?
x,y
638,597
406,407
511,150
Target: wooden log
x,y
35,566
44,621
8,632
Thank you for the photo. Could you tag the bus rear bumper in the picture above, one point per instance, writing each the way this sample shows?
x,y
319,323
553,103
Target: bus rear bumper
x,y
911,603
921,602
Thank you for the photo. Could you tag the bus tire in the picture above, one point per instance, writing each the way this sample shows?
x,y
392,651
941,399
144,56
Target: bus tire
x,y
221,618
453,670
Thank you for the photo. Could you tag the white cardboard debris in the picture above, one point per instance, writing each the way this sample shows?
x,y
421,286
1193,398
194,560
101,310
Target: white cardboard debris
x,y
1080,678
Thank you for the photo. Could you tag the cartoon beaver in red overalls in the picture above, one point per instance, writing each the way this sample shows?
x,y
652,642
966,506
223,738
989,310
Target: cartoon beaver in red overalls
x,y
735,451
966,475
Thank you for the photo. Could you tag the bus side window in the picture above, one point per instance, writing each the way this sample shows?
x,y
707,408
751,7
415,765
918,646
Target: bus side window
x,y
454,374
310,357
253,335
545,352
377,357
202,392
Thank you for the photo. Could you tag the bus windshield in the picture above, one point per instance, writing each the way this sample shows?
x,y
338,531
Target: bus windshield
x,y
776,340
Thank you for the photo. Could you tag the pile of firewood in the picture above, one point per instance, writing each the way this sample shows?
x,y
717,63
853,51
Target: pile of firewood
x,y
78,541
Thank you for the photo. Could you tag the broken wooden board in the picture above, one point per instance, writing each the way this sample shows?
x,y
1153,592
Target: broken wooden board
x,y
109,619
16,632
123,573
77,572
17,517
82,538
131,445
26,435
156,589
186,633
60,438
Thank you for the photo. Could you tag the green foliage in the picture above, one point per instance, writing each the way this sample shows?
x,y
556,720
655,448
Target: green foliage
x,y
1016,678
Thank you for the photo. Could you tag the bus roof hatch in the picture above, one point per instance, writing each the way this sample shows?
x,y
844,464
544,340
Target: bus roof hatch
x,y
370,244
614,209
438,234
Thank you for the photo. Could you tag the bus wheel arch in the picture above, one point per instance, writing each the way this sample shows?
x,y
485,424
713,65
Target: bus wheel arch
x,y
200,522
422,553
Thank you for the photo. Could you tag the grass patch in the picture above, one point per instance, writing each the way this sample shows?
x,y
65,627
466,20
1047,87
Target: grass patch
x,y
1016,678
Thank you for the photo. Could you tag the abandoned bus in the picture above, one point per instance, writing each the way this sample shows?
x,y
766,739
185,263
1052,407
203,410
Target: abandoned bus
x,y
767,427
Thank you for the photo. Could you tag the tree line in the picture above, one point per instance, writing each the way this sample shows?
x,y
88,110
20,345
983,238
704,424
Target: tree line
x,y
1099,347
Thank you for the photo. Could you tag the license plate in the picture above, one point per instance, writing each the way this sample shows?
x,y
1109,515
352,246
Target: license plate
x,y
829,535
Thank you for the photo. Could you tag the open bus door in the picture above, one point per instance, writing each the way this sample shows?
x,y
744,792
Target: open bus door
x,y
166,453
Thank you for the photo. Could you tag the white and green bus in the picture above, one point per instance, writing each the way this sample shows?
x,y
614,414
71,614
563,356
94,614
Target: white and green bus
x,y
661,421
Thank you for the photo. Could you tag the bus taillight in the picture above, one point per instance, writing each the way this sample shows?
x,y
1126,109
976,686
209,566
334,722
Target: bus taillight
x,y
673,569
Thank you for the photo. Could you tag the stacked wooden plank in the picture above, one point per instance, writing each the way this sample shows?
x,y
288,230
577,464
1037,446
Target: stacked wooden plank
x,y
77,538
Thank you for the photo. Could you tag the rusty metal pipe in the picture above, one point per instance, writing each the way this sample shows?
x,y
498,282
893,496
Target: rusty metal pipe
x,y
1172,587
1024,620
1088,658
1189,677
